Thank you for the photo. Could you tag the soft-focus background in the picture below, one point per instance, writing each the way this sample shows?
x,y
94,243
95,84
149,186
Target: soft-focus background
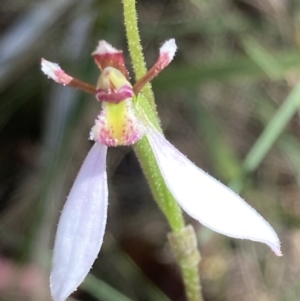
x,y
238,62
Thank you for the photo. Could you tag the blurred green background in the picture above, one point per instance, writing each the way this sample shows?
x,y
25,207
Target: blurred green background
x,y
229,101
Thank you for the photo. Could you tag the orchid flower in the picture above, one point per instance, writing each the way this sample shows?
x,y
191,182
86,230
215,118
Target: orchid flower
x,y
82,223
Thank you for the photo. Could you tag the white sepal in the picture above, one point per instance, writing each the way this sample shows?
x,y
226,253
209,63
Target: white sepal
x,y
168,48
81,226
105,48
208,200
53,71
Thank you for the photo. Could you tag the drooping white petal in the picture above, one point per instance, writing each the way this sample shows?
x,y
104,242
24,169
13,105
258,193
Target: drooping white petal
x,y
81,226
206,199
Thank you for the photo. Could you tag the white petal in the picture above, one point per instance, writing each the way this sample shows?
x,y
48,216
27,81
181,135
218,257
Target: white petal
x,y
81,226
207,200
105,48
168,48
53,71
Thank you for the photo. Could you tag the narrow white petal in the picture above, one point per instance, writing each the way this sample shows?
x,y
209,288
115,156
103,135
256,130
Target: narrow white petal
x,y
168,48
53,71
81,226
207,200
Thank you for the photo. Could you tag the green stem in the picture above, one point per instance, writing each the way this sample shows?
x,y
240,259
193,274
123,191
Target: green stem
x,y
162,195
184,245
135,47
183,239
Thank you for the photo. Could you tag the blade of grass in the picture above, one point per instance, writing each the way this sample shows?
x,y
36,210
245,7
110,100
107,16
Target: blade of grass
x,y
263,59
19,44
287,143
291,149
224,70
272,130
101,290
222,155
132,271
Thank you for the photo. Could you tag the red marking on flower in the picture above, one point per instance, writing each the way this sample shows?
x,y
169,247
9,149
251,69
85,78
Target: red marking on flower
x,y
115,96
163,61
106,55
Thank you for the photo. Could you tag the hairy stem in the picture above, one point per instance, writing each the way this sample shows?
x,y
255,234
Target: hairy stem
x,y
184,246
135,47
157,185
183,239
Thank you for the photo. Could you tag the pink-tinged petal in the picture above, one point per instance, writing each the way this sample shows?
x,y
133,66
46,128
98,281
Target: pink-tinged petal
x,y
81,226
53,71
106,55
207,200
166,54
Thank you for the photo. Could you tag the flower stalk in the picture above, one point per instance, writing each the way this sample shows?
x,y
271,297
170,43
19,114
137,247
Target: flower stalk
x,y
184,246
135,47
187,258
